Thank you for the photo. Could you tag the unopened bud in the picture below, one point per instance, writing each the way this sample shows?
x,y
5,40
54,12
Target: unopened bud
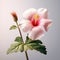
x,y
14,16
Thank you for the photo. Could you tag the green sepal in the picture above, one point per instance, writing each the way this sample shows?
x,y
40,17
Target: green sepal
x,y
28,39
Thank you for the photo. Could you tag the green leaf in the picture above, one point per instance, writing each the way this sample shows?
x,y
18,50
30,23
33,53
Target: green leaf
x,y
21,48
37,45
13,27
34,45
41,48
36,41
27,47
18,39
15,47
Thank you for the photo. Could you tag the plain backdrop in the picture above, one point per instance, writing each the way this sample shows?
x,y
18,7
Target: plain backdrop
x,y
51,39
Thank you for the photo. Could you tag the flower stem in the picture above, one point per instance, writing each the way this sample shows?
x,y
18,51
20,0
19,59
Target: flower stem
x,y
19,30
23,41
26,55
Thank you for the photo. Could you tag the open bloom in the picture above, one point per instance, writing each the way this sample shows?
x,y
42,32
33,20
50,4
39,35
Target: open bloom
x,y
35,21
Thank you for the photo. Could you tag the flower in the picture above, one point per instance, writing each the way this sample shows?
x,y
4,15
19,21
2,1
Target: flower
x,y
35,21
14,16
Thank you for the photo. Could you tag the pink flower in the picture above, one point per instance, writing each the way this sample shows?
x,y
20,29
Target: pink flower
x,y
35,21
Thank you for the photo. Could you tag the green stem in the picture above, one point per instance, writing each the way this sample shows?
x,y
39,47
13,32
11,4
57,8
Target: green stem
x,y
23,41
26,55
19,30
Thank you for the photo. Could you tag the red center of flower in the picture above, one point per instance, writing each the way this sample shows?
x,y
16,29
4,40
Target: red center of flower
x,y
35,20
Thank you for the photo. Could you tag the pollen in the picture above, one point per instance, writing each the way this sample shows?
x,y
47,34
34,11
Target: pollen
x,y
36,17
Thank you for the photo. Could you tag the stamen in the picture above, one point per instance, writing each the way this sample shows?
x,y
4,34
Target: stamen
x,y
35,20
36,16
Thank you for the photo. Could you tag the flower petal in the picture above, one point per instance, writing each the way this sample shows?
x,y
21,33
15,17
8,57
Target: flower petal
x,y
43,13
28,13
26,26
36,32
46,23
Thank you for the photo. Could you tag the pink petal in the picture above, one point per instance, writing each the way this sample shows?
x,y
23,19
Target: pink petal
x,y
46,23
28,13
36,32
26,26
43,13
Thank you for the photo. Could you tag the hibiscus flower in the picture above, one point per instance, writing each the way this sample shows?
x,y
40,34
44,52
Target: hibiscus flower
x,y
35,21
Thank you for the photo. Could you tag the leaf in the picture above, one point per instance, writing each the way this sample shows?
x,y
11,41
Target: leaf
x,y
13,27
27,47
21,48
39,47
34,44
36,41
15,47
18,39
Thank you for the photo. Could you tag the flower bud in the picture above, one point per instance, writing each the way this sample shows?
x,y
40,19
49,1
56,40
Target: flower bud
x,y
14,16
